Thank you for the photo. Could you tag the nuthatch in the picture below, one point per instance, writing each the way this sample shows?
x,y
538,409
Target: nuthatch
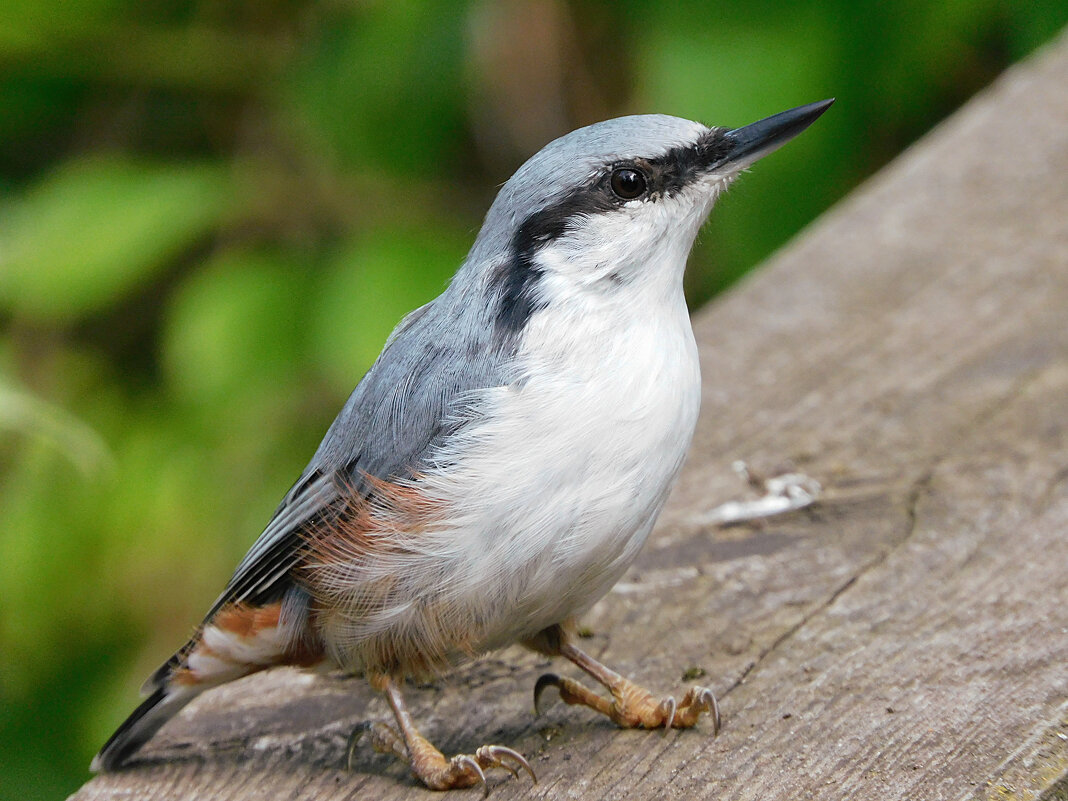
x,y
501,464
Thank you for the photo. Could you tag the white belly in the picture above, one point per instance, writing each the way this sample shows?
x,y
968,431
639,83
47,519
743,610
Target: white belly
x,y
559,489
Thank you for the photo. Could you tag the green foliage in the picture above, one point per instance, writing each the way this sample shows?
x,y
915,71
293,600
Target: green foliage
x,y
212,215
83,236
410,115
233,329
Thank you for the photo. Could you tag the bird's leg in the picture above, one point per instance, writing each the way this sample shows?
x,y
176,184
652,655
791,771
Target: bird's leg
x,y
631,706
428,763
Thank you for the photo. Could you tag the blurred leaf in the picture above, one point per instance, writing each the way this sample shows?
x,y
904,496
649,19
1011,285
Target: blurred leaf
x,y
157,43
27,25
30,108
382,85
1034,23
30,416
718,71
371,286
235,327
94,229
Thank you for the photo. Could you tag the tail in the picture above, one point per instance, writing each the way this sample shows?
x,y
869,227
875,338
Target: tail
x,y
145,721
238,640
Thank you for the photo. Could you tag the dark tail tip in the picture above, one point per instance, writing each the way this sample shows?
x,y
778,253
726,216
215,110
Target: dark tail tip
x,y
136,730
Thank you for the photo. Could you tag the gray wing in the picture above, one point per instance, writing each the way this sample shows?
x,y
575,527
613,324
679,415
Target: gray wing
x,y
408,400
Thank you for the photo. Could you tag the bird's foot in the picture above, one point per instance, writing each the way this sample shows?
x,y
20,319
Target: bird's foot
x,y
432,768
633,706
428,763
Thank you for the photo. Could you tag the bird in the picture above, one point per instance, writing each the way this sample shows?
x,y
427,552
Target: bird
x,y
500,465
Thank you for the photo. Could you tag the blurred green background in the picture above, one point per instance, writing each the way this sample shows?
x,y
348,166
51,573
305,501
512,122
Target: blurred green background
x,y
212,213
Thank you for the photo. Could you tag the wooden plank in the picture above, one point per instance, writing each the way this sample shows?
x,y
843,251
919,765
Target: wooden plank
x,y
907,637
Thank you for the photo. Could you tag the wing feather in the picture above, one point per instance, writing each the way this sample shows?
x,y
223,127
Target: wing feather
x,y
429,369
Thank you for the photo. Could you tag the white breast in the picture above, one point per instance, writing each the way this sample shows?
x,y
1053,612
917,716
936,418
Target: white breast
x,y
558,486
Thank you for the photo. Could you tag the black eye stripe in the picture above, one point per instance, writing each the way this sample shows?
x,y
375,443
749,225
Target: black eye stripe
x,y
664,175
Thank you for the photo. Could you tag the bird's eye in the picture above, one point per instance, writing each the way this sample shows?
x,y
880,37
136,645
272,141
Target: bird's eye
x,y
628,183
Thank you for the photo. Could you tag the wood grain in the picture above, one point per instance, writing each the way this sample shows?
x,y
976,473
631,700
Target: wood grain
x,y
907,637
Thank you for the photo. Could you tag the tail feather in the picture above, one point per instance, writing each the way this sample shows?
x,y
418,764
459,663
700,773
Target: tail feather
x,y
236,641
145,721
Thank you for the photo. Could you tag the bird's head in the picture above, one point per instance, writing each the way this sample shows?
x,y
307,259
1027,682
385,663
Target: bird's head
x,y
616,203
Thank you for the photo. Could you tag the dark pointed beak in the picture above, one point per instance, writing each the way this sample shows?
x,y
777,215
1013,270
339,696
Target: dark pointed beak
x,y
757,140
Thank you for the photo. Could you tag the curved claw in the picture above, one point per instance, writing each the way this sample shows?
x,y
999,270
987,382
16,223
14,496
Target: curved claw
x,y
698,700
496,754
545,680
670,707
708,698
471,762
354,740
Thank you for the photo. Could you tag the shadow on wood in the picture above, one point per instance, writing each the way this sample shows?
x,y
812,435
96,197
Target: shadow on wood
x,y
905,638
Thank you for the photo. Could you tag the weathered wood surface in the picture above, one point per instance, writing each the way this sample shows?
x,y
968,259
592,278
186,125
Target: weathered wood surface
x,y
907,638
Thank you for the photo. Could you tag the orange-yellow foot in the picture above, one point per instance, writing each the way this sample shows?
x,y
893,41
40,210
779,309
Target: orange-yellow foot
x,y
634,707
428,763
433,769
631,706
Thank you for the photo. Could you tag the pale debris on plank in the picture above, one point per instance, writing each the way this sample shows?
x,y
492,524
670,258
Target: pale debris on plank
x,y
786,492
